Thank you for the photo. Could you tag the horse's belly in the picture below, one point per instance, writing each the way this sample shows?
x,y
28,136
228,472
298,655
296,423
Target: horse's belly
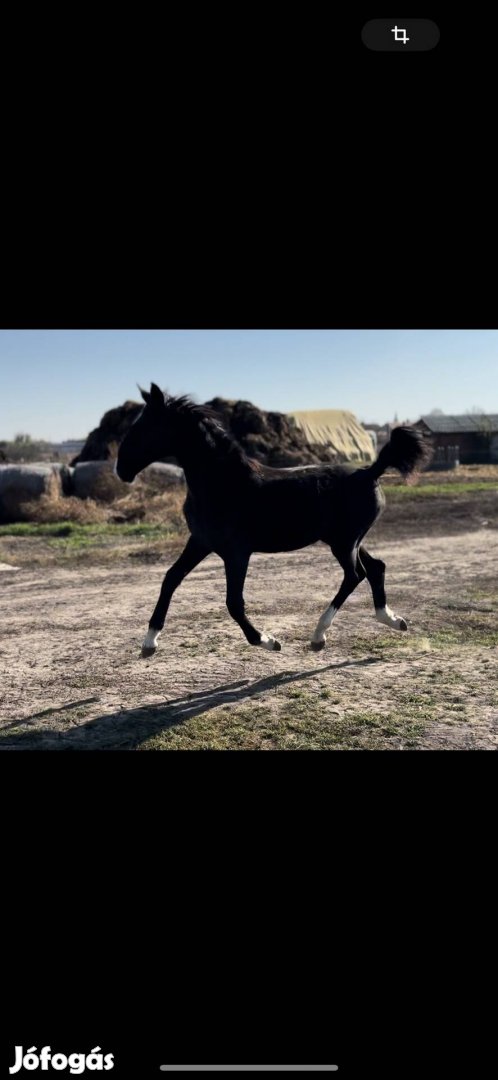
x,y
288,539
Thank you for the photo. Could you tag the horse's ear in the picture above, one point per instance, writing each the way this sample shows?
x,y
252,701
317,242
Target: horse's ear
x,y
156,395
145,394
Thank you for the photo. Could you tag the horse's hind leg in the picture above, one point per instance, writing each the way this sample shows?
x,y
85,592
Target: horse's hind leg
x,y
191,556
375,570
236,570
353,574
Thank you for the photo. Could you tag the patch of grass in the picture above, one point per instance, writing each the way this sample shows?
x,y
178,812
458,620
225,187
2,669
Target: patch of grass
x,y
471,630
66,719
414,699
477,636
305,722
389,725
71,528
64,529
488,595
49,542
385,645
431,491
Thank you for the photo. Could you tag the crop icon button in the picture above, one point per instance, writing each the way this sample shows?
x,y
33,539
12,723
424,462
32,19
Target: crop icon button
x,y
400,35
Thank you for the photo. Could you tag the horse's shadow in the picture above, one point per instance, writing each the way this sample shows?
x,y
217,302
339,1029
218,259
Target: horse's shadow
x,y
127,729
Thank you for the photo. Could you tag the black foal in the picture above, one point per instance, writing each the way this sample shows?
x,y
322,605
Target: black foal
x,y
236,506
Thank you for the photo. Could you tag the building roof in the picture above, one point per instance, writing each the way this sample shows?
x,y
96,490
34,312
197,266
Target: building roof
x,y
337,428
458,425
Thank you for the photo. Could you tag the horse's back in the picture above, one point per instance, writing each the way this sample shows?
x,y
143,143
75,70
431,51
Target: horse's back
x,y
286,509
336,504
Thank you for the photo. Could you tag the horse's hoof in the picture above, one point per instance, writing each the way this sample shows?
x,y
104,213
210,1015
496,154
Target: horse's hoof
x,y
402,625
148,651
317,646
270,643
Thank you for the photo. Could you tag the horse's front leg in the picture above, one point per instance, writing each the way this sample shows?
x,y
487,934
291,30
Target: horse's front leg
x,y
236,570
191,556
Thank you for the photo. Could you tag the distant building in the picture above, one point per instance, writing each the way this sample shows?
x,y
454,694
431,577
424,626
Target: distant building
x,y
471,437
379,433
70,446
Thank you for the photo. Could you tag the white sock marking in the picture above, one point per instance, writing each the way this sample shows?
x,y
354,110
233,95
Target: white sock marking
x,y
324,623
386,616
150,639
267,642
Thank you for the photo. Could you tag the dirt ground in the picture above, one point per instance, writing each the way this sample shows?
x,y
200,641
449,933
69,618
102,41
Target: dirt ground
x,y
71,677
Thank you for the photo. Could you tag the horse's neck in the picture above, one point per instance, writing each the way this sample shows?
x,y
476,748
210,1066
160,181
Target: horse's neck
x,y
205,460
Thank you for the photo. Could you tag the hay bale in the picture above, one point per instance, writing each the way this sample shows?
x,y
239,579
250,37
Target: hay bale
x,y
267,436
247,419
164,476
271,438
97,480
64,472
29,481
337,430
21,485
66,475
103,441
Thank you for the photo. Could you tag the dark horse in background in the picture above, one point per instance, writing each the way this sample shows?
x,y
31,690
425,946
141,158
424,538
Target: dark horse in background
x,y
236,506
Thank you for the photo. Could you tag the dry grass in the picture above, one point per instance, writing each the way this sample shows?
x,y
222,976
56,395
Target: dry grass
x,y
144,501
464,474
106,486
135,526
50,509
148,502
14,503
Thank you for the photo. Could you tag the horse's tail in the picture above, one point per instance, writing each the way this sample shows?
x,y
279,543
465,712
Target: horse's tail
x,y
407,450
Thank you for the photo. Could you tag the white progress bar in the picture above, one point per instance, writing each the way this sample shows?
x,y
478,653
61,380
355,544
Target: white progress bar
x,y
249,1068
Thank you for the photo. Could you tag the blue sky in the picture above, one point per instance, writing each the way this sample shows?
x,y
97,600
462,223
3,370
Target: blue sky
x,y
56,384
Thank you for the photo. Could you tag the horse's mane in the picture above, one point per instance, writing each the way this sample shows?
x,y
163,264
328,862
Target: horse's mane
x,y
208,422
185,405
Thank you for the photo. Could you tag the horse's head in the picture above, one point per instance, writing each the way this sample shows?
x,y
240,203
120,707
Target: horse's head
x,y
148,439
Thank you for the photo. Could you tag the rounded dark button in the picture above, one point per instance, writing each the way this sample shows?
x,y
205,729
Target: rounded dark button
x,y
400,35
